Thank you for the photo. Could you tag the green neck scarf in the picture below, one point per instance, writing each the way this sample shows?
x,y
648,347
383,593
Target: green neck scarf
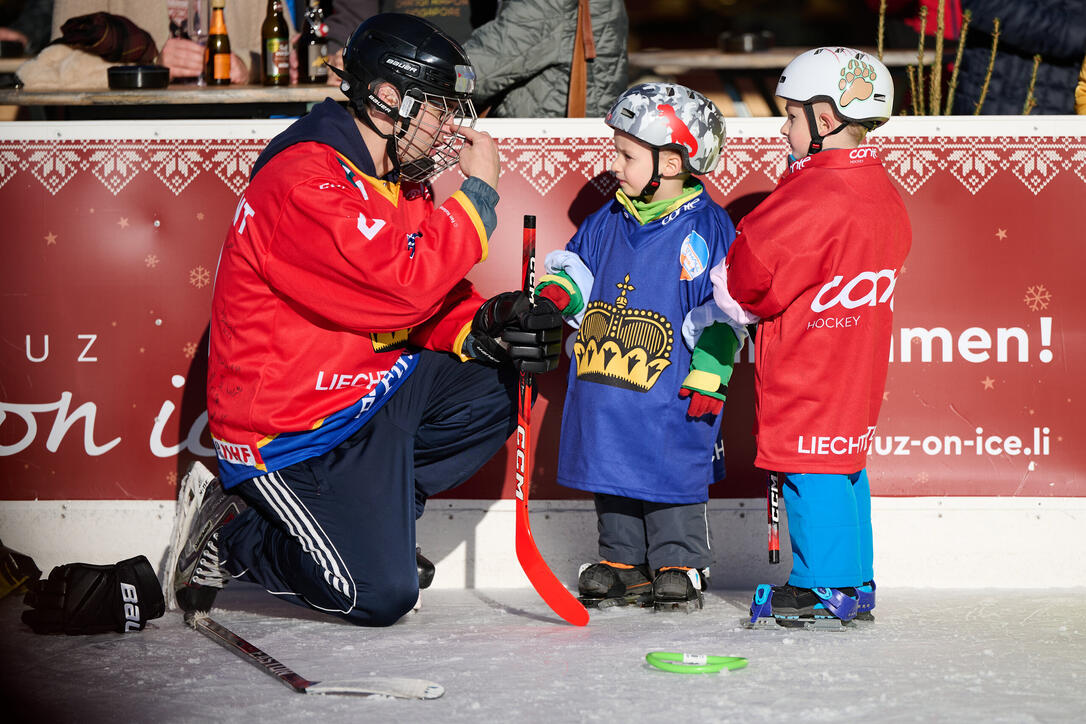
x,y
646,211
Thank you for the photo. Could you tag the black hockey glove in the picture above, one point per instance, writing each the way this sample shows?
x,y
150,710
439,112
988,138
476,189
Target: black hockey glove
x,y
532,334
17,571
79,598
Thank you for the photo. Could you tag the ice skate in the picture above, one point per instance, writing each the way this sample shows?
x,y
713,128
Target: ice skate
x,y
606,584
425,567
203,509
678,588
810,608
865,599
426,575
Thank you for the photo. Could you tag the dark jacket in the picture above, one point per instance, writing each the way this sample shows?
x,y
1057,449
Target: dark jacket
x,y
1056,29
522,58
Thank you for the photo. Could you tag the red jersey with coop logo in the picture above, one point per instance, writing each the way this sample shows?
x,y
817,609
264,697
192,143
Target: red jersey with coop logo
x,y
818,261
327,278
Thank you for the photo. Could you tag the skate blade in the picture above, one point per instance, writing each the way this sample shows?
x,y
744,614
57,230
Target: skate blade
x,y
762,624
767,623
606,603
684,606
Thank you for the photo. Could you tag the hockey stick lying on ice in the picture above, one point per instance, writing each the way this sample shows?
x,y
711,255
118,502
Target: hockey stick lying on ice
x,y
401,688
539,573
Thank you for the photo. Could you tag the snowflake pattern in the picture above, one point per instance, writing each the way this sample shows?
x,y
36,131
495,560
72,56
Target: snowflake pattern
x,y
151,261
189,350
199,277
543,162
1037,298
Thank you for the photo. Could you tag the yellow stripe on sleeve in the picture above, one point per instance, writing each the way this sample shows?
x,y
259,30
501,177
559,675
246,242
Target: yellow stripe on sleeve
x,y
458,344
469,207
701,380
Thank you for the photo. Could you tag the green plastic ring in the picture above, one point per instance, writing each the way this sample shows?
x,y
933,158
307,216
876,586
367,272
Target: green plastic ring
x,y
678,663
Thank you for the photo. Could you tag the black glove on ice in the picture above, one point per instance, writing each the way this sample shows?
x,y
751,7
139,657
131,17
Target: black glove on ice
x,y
17,571
532,334
79,598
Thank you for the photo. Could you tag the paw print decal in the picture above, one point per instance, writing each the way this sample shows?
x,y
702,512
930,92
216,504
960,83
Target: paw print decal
x,y
855,82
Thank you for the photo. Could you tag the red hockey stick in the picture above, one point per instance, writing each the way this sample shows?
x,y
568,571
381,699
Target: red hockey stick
x,y
773,514
543,579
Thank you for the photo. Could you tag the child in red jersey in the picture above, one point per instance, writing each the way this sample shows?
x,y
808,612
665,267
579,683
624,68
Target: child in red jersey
x,y
817,263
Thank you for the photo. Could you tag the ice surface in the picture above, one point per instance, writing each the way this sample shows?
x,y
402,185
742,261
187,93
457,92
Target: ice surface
x,y
933,655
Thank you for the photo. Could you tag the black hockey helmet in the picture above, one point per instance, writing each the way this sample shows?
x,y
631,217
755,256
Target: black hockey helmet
x,y
424,64
410,53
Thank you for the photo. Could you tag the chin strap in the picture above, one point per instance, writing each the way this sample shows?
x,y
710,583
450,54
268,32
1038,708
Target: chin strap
x,y
654,182
812,125
361,103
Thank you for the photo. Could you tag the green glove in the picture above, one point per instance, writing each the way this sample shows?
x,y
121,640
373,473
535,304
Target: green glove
x,y
710,370
560,288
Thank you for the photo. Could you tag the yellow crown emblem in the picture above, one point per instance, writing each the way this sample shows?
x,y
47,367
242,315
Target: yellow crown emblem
x,y
623,347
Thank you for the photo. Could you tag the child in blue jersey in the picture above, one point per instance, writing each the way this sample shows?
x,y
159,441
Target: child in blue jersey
x,y
647,380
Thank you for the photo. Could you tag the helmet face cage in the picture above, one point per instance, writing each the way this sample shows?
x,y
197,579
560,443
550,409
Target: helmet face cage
x,y
857,85
424,145
672,116
435,81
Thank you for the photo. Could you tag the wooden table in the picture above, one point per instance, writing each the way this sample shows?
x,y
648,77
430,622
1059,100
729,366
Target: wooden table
x,y
172,95
673,62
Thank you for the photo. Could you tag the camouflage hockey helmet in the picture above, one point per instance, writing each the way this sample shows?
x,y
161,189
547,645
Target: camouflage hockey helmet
x,y
672,116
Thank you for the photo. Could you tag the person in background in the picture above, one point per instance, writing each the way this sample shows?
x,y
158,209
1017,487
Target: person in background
x,y
525,56
456,18
353,371
1080,91
184,57
817,262
31,26
1054,29
902,22
643,405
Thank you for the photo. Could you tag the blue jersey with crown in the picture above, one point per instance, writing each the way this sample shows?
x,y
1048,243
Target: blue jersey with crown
x,y
624,426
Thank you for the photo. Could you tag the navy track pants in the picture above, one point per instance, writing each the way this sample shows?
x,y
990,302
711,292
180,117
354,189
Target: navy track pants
x,y
337,532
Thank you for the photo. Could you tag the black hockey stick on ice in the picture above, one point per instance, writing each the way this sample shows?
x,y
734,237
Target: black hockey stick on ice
x,y
401,688
531,561
773,514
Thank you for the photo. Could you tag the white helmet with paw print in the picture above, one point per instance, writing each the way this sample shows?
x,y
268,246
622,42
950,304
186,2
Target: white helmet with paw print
x,y
858,85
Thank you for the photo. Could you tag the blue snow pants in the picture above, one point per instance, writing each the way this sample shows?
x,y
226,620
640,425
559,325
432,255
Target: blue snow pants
x,y
829,526
336,532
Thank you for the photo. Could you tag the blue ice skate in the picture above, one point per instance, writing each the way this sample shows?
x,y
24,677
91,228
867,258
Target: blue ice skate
x,y
865,600
822,608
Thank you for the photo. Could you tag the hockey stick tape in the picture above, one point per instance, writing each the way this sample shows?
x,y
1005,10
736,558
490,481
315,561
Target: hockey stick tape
x,y
678,663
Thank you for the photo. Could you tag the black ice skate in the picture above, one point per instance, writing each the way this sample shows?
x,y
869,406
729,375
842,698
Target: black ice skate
x,y
811,608
203,509
678,588
606,584
426,568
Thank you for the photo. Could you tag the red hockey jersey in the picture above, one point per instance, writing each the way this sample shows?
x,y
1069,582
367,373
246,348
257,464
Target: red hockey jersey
x,y
326,275
818,261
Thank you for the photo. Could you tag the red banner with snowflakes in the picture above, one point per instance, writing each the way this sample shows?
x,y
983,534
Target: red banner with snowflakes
x,y
110,246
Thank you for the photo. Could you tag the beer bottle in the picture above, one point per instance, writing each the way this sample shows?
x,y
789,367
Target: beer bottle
x,y
276,45
312,49
217,55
